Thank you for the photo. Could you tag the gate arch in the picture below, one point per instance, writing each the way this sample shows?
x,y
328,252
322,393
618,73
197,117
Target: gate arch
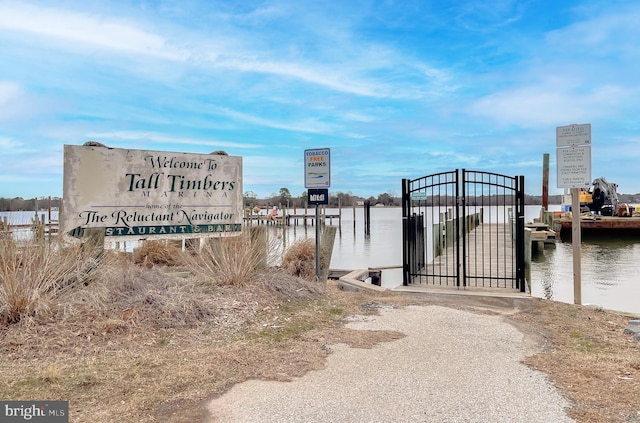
x,y
464,229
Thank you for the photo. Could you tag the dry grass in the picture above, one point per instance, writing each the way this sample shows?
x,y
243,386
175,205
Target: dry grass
x,y
590,359
136,337
230,261
32,274
158,252
299,259
140,345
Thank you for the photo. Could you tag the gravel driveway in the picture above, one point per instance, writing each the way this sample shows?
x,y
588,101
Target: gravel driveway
x,y
453,366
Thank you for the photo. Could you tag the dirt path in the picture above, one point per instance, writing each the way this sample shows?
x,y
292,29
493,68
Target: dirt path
x,y
450,366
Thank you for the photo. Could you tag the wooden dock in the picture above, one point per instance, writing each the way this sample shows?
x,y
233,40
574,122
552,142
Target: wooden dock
x,y
39,230
538,236
489,262
290,219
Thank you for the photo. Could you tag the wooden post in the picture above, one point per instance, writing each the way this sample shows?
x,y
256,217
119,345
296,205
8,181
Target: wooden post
x,y
545,181
326,249
92,247
576,242
442,232
437,239
367,217
527,256
40,229
354,218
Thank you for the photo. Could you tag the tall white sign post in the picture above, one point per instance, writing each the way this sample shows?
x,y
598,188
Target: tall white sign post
x,y
573,154
317,179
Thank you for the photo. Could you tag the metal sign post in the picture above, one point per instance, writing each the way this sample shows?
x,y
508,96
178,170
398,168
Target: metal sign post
x,y
318,196
317,243
573,155
317,179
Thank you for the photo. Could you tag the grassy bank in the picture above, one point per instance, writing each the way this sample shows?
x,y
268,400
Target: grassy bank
x,y
137,341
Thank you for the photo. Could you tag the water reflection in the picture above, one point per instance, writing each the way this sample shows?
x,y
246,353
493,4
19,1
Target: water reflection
x,y
610,272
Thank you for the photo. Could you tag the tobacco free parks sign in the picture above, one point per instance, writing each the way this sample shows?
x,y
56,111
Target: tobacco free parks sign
x,y
151,194
317,169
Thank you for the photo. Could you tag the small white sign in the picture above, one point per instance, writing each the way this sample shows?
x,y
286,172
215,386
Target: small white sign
x,y
317,169
573,155
571,135
574,167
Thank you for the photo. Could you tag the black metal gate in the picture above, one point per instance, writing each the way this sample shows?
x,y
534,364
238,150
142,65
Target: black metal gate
x,y
464,229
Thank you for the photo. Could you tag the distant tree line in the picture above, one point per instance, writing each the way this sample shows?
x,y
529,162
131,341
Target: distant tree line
x,y
284,199
346,199
29,204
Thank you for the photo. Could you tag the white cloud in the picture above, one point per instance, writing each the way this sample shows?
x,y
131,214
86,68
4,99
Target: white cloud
x,y
602,35
306,125
580,72
548,104
151,137
83,28
311,74
348,70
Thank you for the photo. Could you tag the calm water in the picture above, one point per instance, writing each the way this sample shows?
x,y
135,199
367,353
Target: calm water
x,y
610,268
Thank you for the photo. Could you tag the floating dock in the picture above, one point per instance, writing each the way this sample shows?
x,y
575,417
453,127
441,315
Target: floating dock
x,y
539,235
599,226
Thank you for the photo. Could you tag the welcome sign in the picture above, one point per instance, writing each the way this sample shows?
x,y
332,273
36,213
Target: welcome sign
x,y
145,193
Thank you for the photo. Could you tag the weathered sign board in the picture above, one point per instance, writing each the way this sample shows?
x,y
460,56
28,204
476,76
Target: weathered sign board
x,y
573,148
574,167
151,194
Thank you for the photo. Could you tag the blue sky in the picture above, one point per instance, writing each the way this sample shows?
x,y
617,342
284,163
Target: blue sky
x,y
396,89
